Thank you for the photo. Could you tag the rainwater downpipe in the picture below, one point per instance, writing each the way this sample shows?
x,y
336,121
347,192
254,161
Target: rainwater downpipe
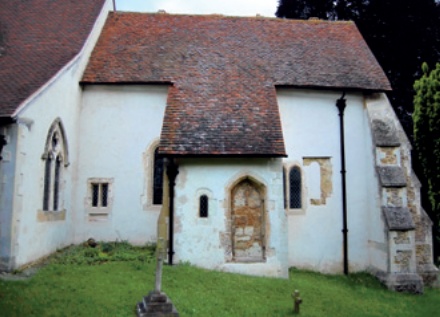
x,y
340,104
172,171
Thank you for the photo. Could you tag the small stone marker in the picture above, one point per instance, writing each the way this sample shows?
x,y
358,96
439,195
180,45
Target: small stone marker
x,y
157,303
296,301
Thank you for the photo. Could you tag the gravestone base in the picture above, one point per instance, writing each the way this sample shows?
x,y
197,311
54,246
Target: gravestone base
x,y
403,282
156,304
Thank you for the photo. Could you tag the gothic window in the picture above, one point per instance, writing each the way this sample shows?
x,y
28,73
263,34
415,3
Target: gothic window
x,y
294,182
157,178
55,158
203,206
46,193
56,184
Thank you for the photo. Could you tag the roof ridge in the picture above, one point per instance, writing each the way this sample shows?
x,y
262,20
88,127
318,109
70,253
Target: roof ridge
x,y
225,16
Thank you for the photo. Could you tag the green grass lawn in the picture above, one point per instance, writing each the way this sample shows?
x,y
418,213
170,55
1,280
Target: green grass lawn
x,y
111,279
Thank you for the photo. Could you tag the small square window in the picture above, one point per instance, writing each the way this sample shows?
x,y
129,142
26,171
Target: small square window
x,y
99,197
99,193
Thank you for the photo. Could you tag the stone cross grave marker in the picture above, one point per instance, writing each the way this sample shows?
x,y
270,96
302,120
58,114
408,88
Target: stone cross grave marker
x,y
157,303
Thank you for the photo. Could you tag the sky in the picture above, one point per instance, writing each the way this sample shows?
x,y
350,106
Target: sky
x,y
227,7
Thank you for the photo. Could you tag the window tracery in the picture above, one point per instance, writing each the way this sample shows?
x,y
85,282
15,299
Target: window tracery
x,y
55,157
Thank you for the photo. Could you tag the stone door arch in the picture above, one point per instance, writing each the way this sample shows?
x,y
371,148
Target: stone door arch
x,y
248,222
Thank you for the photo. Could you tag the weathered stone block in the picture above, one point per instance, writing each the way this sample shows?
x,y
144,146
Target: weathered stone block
x,y
156,304
408,283
391,176
398,218
385,133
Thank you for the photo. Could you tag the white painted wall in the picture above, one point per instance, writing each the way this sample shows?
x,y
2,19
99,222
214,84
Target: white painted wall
x,y
7,173
198,240
119,126
310,122
59,98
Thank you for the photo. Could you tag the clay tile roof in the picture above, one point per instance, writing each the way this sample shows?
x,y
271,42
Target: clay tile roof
x,y
37,38
224,70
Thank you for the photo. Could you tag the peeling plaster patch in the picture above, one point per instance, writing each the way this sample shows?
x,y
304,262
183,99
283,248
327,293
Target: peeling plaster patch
x,y
402,238
326,172
388,156
225,243
394,197
403,259
378,245
271,205
182,200
177,223
181,178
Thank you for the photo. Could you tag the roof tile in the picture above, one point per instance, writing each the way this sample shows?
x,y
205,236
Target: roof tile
x,y
37,38
224,71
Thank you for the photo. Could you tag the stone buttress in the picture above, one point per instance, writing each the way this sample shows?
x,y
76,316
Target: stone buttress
x,y
408,227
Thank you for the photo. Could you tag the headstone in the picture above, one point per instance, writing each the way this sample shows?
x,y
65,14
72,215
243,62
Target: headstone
x,y
157,303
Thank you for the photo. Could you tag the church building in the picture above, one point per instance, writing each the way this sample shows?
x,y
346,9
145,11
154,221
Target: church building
x,y
249,144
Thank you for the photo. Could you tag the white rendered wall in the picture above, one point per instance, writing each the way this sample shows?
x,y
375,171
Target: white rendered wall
x,y
7,172
311,130
201,241
120,125
59,98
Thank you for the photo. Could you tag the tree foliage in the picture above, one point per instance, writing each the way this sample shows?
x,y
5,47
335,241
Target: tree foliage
x,y
426,118
401,33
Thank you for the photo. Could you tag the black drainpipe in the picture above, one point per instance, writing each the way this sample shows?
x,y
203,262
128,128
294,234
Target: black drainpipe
x,y
172,171
340,103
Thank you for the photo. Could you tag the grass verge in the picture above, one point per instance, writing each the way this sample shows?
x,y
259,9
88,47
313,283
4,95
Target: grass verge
x,y
110,280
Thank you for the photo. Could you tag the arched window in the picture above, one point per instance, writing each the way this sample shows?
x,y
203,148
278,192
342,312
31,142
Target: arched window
x,y
46,193
295,188
157,178
55,155
203,206
56,184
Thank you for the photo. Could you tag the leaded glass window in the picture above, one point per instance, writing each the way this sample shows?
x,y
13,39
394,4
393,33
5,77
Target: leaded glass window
x,y
295,188
56,185
55,158
203,206
157,178
104,195
46,190
100,192
284,189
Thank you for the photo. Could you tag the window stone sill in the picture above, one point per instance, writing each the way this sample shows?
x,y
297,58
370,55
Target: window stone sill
x,y
49,216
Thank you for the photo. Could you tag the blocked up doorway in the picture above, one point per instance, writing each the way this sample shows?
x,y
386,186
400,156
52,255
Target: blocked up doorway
x,y
248,222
